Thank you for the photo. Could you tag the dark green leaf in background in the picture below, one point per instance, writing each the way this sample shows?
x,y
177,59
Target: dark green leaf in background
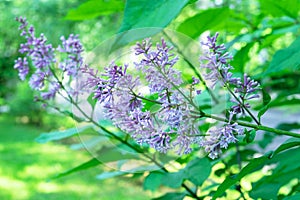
x,y
280,7
197,170
252,166
95,8
285,60
91,163
241,58
153,181
58,135
105,154
203,21
147,17
171,196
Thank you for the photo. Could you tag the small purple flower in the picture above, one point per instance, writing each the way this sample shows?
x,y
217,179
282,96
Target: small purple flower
x,y
216,61
195,81
53,89
219,138
160,141
108,81
183,144
245,90
37,80
158,66
73,47
22,66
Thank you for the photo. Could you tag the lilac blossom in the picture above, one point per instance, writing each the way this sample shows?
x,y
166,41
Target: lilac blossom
x,y
41,53
158,64
73,48
22,66
53,89
106,83
245,90
217,61
42,56
219,138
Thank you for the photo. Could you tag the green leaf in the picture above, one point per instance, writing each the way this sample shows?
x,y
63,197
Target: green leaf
x,y
141,14
250,136
105,154
106,175
58,135
290,143
293,197
109,154
266,104
285,60
241,57
91,163
153,181
70,114
172,196
211,19
197,170
268,186
252,166
257,163
203,21
89,143
288,126
280,7
95,8
173,180
91,100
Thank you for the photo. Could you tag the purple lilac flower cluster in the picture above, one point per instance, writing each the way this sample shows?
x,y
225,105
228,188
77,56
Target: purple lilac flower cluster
x,y
218,138
216,60
42,57
171,127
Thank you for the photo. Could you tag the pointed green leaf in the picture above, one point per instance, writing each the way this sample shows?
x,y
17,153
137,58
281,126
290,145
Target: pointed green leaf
x,y
144,14
173,179
197,170
91,163
153,181
290,143
285,60
252,166
210,19
241,57
171,196
95,8
70,114
106,154
58,135
91,100
280,7
106,175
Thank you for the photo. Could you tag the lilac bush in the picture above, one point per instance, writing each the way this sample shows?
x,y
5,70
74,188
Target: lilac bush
x,y
174,124
167,117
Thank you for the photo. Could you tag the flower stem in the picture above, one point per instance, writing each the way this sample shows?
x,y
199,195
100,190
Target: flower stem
x,y
241,103
214,98
257,127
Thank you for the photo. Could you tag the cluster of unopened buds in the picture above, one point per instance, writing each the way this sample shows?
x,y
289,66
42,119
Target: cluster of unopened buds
x,y
166,117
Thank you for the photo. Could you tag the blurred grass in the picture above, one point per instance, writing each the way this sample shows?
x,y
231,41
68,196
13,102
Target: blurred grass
x,y
26,165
